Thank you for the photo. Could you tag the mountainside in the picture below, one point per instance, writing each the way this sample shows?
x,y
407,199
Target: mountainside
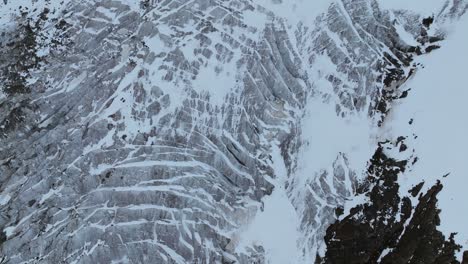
x,y
232,131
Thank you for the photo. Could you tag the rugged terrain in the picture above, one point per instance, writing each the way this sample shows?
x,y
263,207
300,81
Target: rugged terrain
x,y
215,131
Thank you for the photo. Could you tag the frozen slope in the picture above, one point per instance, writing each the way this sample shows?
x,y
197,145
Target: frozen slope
x,y
200,131
437,106
407,209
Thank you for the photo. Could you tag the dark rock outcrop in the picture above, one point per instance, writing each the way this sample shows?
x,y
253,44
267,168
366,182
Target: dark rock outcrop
x,y
390,228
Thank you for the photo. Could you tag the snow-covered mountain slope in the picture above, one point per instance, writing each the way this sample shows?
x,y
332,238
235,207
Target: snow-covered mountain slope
x,y
436,106
206,131
408,210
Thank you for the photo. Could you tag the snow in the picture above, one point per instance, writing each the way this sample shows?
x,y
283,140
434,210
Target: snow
x,y
4,199
108,13
76,82
277,227
427,7
50,193
255,19
384,253
9,231
217,79
437,103
296,11
405,35
327,134
352,203
327,138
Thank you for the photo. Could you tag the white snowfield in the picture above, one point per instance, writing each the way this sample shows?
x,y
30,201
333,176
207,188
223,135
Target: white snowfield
x,y
437,103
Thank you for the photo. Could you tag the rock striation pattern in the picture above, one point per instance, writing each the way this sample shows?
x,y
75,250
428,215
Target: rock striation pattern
x,y
144,132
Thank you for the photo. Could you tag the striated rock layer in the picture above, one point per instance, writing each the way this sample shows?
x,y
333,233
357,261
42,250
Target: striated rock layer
x,y
154,131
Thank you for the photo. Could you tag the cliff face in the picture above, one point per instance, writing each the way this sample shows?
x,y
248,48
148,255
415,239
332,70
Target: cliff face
x,y
199,131
390,227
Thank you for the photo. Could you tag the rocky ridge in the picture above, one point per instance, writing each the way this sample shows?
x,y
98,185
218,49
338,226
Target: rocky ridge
x,y
117,141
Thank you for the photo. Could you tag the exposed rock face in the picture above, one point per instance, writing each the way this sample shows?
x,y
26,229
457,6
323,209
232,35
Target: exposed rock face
x,y
390,228
144,132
